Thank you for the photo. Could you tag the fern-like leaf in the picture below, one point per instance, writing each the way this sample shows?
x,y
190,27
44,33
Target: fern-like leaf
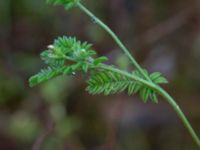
x,y
68,4
108,82
66,55
157,78
44,75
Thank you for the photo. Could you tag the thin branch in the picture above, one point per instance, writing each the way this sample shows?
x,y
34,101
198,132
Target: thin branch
x,y
164,28
164,94
40,140
115,37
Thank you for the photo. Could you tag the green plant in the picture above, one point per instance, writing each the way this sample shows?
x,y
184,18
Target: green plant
x,y
67,55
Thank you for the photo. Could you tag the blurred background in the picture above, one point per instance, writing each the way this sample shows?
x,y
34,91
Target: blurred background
x,y
164,35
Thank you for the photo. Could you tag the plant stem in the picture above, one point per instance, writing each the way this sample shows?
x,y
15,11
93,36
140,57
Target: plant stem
x,y
180,113
163,93
155,87
115,37
146,82
130,76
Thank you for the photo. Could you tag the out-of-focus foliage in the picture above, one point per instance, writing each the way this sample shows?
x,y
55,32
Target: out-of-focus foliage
x,y
9,89
163,35
55,98
24,127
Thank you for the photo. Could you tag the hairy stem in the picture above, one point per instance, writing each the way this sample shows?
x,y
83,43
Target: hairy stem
x,y
163,93
148,81
130,76
115,37
180,113
157,88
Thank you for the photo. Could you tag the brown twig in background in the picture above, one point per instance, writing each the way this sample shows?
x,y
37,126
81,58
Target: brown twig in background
x,y
165,28
40,140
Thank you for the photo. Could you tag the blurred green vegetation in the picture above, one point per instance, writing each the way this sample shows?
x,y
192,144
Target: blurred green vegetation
x,y
163,35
